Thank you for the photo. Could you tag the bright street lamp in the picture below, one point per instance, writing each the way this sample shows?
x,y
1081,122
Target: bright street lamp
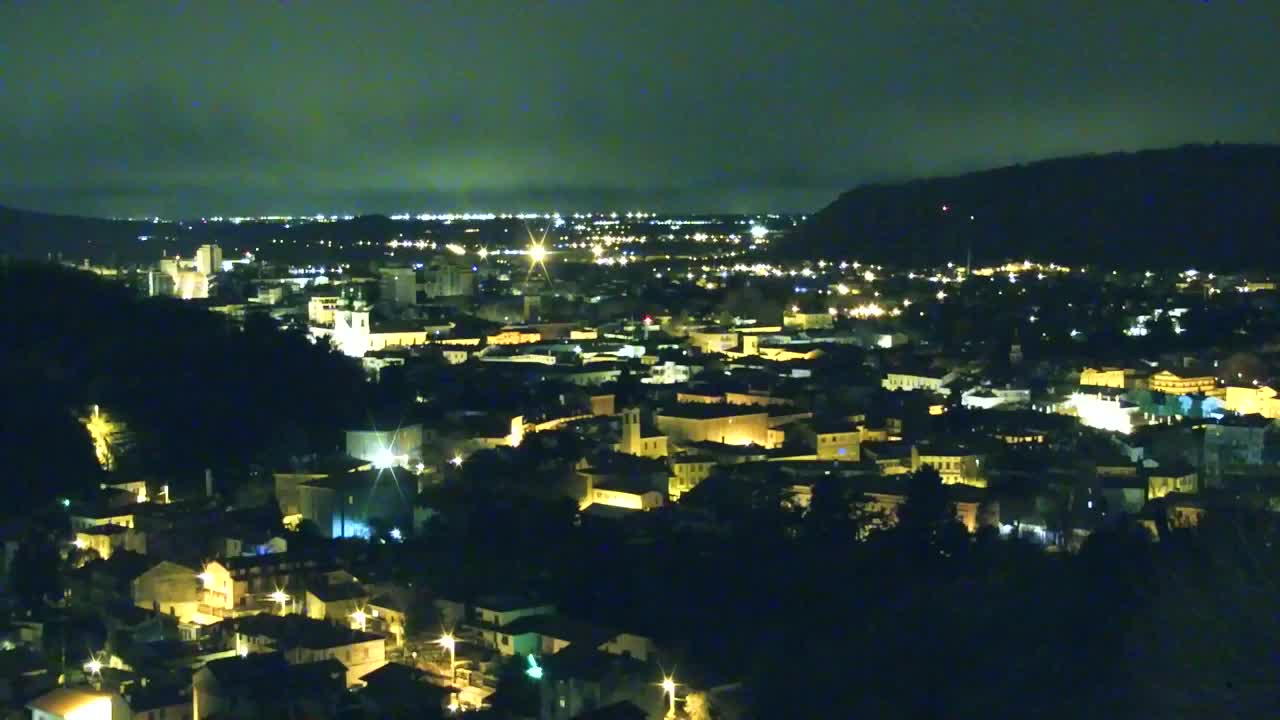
x,y
450,643
669,687
279,597
93,667
361,619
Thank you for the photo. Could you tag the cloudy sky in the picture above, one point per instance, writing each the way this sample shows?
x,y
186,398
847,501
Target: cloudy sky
x,y
223,106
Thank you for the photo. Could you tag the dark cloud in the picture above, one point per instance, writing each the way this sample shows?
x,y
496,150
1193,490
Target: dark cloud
x,y
189,108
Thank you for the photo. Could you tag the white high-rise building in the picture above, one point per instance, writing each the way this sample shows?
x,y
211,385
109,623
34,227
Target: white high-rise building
x,y
208,259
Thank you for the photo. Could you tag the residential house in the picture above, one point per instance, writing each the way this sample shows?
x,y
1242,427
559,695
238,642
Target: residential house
x,y
956,464
336,602
266,685
70,703
303,640
106,539
170,588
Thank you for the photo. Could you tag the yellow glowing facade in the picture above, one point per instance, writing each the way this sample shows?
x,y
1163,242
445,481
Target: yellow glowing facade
x,y
840,446
514,337
713,341
785,354
625,499
955,468
909,381
1174,384
730,429
1104,377
320,310
1253,400
1161,484
72,704
686,474
633,440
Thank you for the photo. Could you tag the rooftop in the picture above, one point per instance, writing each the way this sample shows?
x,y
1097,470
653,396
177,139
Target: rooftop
x,y
709,411
294,631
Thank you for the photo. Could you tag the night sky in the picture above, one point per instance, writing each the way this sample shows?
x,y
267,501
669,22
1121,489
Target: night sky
x,y
223,107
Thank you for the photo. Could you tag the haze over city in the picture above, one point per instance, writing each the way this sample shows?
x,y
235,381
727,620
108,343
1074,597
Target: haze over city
x,y
197,109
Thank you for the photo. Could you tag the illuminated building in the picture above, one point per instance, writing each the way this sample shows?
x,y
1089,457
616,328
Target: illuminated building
x,y
1253,400
1118,378
727,424
321,309
385,448
986,398
1177,479
622,481
514,336
208,259
335,601
169,588
302,640
635,442
934,381
106,539
956,465
837,441
713,341
75,704
1172,383
1106,411
355,334
668,373
687,471
352,504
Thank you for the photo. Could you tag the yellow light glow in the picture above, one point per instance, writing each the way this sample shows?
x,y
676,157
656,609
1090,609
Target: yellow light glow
x,y
103,433
537,254
448,642
456,460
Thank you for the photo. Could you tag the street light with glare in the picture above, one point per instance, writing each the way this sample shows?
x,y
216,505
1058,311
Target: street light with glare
x,y
450,643
456,460
279,597
361,619
94,666
669,687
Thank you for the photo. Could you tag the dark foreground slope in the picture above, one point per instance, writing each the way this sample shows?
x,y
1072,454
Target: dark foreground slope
x,y
1197,206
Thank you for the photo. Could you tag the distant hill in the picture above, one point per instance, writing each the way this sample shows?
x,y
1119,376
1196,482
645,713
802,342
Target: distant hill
x,y
38,235
1212,206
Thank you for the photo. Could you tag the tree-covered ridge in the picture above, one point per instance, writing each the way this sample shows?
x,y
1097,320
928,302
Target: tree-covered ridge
x,y
194,389
1195,206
